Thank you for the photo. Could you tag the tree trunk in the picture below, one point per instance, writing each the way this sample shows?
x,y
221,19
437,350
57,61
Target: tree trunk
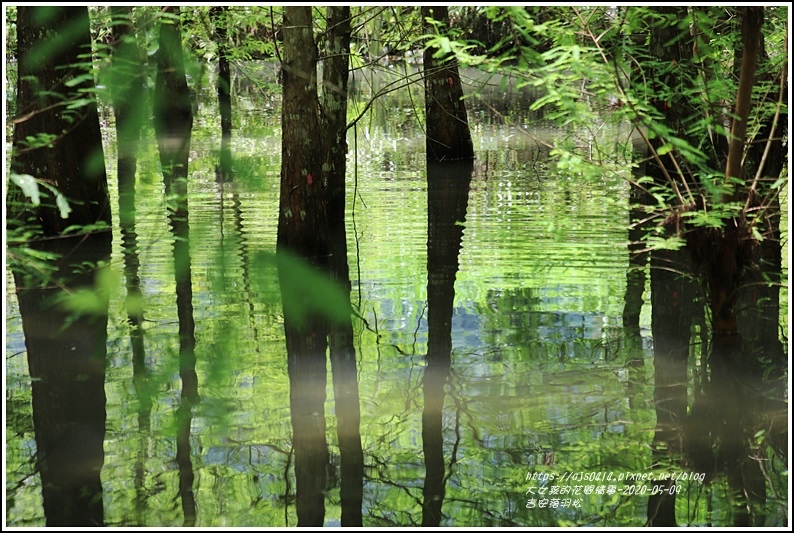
x,y
51,41
66,354
447,125
447,198
66,350
173,111
730,251
302,222
126,85
303,231
220,17
341,350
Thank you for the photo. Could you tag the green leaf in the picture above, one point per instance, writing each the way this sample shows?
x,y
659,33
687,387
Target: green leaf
x,y
77,80
63,205
93,301
60,201
29,186
664,149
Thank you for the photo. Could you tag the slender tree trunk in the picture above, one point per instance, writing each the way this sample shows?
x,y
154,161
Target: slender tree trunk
x,y
220,17
173,111
447,127
173,121
752,20
129,102
341,350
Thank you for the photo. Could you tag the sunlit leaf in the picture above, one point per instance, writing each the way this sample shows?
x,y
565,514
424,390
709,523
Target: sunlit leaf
x,y
664,149
29,186
63,205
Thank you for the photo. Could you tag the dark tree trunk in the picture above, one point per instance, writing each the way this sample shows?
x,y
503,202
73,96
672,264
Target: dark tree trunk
x,y
51,41
129,104
635,285
728,256
173,122
302,221
447,125
341,349
67,355
303,231
672,304
66,350
334,104
220,17
306,366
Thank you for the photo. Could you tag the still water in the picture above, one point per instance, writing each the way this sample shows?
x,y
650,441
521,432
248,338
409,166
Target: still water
x,y
549,411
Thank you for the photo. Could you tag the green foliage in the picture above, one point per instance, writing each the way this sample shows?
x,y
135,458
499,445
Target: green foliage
x,y
30,188
595,65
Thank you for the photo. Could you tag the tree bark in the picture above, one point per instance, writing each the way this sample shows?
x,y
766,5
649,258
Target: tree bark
x,y
752,20
303,231
447,125
302,222
51,41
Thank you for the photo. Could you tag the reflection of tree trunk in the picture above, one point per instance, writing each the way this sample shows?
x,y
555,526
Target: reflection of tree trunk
x,y
307,373
245,266
447,125
187,356
66,357
448,191
173,116
127,83
672,293
127,86
635,287
731,401
220,17
184,417
140,374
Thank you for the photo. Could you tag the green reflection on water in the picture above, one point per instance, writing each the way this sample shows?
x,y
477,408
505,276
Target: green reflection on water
x,y
540,378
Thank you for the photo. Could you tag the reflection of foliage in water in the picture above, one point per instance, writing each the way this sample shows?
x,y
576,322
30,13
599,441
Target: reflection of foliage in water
x,y
538,303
